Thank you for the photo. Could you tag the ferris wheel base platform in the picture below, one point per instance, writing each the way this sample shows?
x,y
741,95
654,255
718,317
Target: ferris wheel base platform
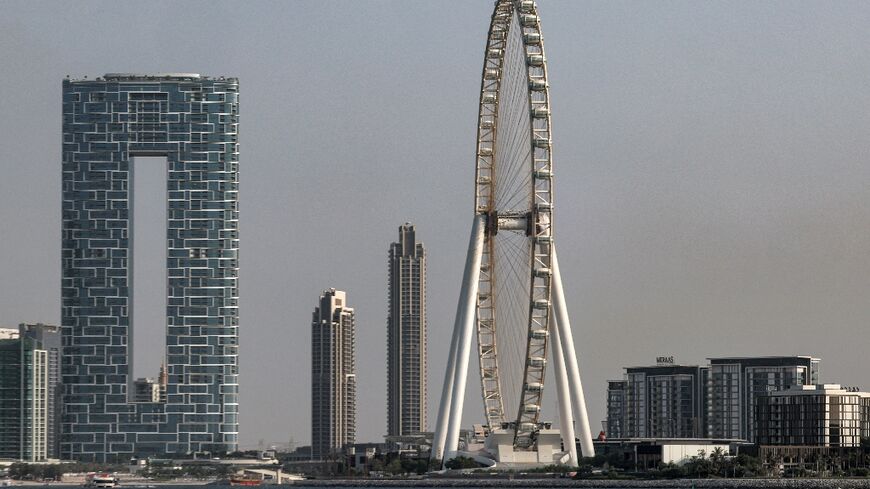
x,y
500,447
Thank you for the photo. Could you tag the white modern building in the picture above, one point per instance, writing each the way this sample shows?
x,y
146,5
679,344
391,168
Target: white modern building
x,y
825,415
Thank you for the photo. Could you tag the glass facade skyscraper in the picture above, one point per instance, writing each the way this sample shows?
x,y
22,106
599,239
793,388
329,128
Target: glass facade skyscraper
x,y
24,399
47,337
192,121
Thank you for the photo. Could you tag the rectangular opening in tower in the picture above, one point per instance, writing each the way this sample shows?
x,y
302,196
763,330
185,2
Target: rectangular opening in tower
x,y
148,241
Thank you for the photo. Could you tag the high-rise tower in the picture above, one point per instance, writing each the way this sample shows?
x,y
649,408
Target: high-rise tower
x,y
406,336
47,337
24,397
192,122
333,375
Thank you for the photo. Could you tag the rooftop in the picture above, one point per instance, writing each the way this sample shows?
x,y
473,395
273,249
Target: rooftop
x,y
672,367
819,389
132,77
769,357
673,441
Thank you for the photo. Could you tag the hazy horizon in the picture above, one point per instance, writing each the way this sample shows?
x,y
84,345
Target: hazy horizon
x,y
711,169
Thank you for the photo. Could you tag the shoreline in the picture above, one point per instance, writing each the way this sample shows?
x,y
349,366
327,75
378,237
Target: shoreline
x,y
593,483
807,483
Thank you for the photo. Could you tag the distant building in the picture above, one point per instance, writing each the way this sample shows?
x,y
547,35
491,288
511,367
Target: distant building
x,y
824,415
663,401
650,453
736,382
24,396
8,333
406,336
48,338
162,381
333,376
615,409
146,390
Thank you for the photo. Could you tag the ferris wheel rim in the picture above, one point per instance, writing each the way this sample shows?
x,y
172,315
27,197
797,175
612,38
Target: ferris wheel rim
x,y
508,15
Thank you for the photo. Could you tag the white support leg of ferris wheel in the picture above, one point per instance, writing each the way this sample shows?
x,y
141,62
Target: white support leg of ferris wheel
x,y
450,418
563,396
575,386
437,451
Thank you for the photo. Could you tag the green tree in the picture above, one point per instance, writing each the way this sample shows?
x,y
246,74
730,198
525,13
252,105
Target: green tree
x,y
700,466
53,472
718,462
19,470
394,467
377,464
461,463
746,466
672,471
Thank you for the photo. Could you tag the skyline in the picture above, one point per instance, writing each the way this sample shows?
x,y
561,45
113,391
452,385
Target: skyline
x,y
702,153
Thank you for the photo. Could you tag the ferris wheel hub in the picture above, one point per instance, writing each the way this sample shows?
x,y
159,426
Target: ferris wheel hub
x,y
510,221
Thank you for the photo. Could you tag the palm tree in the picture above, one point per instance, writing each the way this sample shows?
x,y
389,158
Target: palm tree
x,y
717,457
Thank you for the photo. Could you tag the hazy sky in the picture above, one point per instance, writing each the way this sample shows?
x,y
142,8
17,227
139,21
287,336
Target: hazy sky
x,y
712,165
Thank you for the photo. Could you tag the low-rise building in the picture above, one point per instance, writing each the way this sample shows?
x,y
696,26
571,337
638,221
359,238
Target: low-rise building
x,y
660,401
711,401
736,382
648,453
825,415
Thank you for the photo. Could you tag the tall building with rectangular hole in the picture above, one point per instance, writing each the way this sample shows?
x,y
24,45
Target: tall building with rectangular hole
x,y
192,122
406,336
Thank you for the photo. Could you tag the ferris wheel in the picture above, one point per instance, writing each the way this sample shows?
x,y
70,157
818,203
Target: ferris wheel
x,y
511,292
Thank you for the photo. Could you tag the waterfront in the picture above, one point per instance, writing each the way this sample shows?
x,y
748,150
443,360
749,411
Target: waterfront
x,y
463,483
603,483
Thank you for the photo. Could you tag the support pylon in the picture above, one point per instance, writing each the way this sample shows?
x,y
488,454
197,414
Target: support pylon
x,y
578,400
446,439
563,395
568,385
